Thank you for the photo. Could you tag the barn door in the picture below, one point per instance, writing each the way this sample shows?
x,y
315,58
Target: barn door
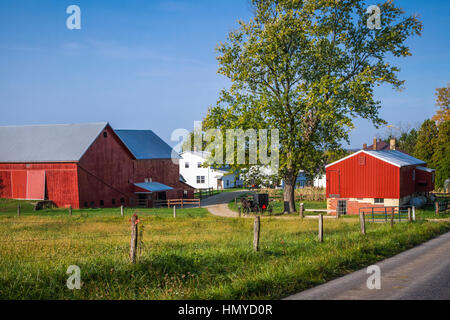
x,y
334,183
36,185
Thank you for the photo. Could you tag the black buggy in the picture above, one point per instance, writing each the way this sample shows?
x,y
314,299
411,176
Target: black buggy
x,y
259,204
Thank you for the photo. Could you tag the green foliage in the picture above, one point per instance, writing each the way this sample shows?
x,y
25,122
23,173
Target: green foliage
x,y
408,140
308,68
443,102
441,156
427,142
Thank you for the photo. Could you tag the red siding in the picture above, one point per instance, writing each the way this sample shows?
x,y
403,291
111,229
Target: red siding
x,y
366,177
105,172
163,171
5,185
424,177
60,181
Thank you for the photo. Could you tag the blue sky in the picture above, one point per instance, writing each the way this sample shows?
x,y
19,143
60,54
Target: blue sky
x,y
151,64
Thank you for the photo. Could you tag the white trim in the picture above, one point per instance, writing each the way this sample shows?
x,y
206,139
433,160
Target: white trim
x,y
375,156
347,157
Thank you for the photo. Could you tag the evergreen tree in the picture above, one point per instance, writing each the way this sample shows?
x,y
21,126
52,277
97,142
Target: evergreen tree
x,y
441,158
427,142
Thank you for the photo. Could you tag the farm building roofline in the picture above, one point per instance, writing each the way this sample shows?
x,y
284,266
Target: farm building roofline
x,y
47,143
146,145
394,157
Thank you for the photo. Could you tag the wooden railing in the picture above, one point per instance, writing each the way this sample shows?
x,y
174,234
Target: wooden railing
x,y
177,202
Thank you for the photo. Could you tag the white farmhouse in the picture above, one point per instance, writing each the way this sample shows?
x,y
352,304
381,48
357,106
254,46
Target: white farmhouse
x,y
197,176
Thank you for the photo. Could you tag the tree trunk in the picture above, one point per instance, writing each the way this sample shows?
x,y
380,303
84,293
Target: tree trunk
x,y
289,192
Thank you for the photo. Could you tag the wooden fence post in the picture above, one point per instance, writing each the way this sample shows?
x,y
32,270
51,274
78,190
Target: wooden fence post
x,y
18,210
121,210
409,215
362,220
240,211
134,238
256,232
436,204
70,210
301,210
174,211
414,213
320,227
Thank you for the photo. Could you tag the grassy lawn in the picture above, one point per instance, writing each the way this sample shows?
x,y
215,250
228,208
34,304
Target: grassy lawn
x,y
196,256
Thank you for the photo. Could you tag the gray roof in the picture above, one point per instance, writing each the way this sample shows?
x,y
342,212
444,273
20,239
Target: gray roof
x,y
395,157
47,143
145,144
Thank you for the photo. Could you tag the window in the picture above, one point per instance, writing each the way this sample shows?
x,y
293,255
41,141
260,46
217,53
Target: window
x,y
228,183
122,200
92,204
105,134
102,203
414,175
186,165
342,207
185,194
379,201
86,204
200,179
113,201
362,160
199,165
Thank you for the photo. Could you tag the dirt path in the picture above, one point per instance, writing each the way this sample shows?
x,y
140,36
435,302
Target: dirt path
x,y
218,204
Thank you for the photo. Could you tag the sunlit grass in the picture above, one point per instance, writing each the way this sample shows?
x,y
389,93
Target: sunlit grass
x,y
195,256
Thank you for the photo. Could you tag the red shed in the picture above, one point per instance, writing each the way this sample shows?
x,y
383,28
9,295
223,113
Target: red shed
x,y
83,165
376,178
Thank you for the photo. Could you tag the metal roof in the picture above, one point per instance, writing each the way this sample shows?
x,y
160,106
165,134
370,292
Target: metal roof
x,y
145,144
426,169
47,143
394,157
153,186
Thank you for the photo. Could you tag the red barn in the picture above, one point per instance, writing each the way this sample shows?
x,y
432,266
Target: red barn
x,y
87,165
372,178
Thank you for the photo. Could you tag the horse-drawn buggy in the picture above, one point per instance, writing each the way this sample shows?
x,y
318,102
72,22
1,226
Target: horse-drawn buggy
x,y
259,204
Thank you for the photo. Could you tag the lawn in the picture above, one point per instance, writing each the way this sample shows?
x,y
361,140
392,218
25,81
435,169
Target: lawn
x,y
195,256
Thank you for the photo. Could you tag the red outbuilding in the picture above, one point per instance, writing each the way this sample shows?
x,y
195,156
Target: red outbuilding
x,y
376,178
88,165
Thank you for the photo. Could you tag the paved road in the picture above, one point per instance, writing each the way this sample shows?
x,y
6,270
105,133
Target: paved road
x,y
422,273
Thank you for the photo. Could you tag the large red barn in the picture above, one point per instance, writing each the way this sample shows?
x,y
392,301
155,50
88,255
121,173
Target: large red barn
x,y
88,165
374,178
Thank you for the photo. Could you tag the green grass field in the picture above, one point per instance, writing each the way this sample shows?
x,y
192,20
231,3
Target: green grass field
x,y
195,256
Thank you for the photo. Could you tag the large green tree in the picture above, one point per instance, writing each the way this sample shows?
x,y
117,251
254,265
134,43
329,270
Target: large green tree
x,y
441,157
308,68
